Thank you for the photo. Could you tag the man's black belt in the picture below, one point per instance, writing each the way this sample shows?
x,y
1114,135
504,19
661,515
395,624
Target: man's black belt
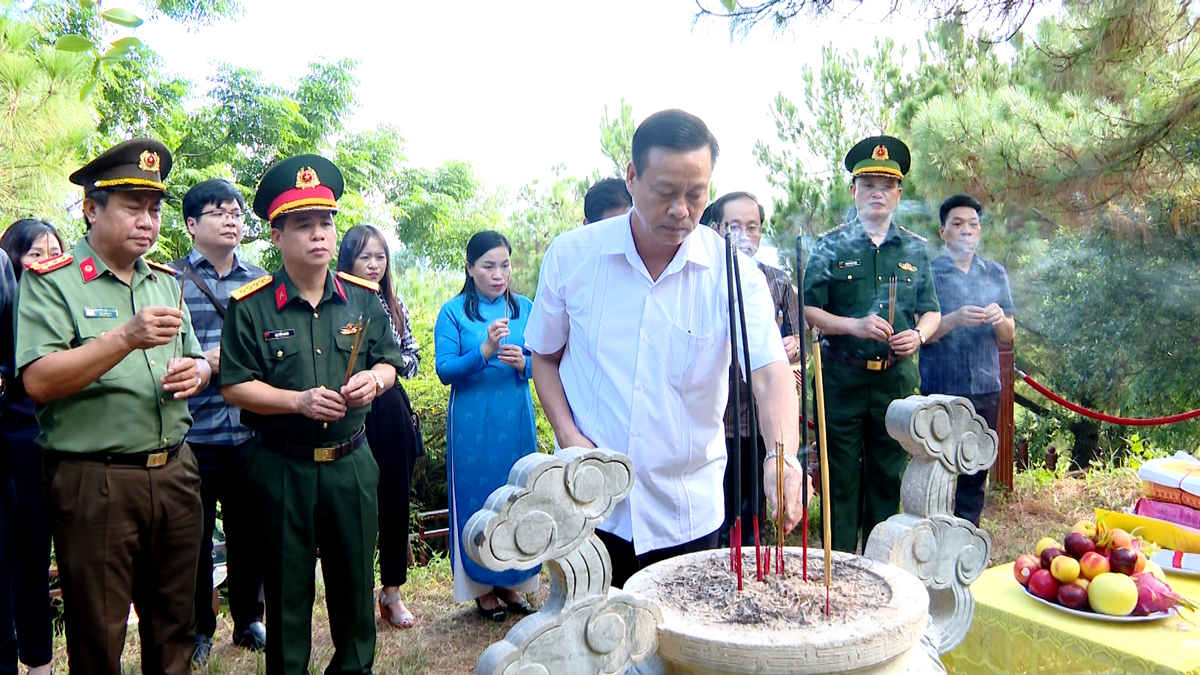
x,y
875,364
148,460
325,453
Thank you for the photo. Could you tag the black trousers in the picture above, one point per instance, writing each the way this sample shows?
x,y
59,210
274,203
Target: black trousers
x,y
626,563
223,479
24,552
753,451
395,443
969,493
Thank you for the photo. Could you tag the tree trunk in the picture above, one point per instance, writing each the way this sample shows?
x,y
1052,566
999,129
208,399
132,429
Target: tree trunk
x,y
1087,442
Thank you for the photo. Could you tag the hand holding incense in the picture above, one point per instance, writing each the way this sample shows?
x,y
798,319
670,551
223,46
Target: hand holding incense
x,y
359,337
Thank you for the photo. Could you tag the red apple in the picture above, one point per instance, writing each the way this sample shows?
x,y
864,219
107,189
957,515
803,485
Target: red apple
x,y
1123,561
1078,543
1073,596
1044,585
1093,564
1024,567
1049,554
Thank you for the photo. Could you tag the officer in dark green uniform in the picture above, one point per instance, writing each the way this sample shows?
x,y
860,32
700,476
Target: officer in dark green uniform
x,y
110,359
867,358
286,344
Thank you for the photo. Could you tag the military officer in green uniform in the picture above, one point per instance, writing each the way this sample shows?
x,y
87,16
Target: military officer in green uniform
x,y
868,341
286,345
110,360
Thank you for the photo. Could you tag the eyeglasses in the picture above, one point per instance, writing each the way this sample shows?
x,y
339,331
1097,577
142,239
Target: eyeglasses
x,y
751,229
222,214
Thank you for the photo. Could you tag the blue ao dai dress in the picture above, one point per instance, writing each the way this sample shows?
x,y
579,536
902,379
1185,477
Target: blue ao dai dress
x,y
489,426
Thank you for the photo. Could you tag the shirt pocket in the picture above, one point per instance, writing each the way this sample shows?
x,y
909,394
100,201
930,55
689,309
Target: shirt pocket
x,y
849,290
685,358
92,329
283,364
345,345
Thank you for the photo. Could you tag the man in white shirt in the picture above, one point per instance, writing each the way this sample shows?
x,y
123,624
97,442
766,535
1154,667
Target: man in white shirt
x,y
631,351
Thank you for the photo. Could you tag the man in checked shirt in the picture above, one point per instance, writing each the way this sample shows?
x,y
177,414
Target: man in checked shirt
x,y
741,213
214,211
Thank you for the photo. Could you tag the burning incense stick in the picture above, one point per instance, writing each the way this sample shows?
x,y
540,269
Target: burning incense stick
x,y
780,506
819,401
358,340
735,535
752,413
803,413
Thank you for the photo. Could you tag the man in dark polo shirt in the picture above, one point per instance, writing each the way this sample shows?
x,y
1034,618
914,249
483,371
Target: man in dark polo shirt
x,y
961,357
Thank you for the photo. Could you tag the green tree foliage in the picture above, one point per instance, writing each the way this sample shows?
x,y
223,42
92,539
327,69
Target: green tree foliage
x,y
542,213
437,210
616,138
42,121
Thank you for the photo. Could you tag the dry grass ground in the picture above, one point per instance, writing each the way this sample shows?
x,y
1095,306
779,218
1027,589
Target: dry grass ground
x,y
449,637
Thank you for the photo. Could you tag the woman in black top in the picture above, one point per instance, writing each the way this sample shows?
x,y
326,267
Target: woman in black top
x,y
24,526
392,431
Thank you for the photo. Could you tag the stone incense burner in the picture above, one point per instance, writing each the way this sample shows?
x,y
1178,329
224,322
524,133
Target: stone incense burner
x,y
915,570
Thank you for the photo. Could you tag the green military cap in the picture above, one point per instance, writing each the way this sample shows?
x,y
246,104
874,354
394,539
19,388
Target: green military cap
x,y
878,156
136,164
300,183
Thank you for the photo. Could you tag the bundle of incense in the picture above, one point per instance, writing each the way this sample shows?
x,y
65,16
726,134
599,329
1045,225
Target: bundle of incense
x,y
891,308
819,402
735,535
359,337
178,340
752,416
803,415
781,506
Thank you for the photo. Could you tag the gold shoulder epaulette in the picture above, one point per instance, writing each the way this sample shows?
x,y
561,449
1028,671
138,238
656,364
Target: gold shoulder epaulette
x,y
51,264
252,287
163,268
359,281
912,234
835,230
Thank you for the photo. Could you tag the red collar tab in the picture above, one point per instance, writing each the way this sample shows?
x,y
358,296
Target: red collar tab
x,y
337,283
88,269
281,297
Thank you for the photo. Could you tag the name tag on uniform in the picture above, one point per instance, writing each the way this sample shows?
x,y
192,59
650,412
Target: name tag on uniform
x,y
100,312
845,264
279,334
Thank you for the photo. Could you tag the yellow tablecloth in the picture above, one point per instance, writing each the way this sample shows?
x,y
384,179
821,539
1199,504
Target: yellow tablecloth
x,y
1013,633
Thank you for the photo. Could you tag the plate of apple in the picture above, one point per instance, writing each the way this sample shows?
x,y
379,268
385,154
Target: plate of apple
x,y
1100,574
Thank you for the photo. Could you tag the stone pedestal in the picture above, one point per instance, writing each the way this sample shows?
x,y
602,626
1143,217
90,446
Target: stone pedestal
x,y
886,640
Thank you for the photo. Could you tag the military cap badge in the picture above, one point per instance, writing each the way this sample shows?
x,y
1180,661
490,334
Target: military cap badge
x,y
300,183
878,156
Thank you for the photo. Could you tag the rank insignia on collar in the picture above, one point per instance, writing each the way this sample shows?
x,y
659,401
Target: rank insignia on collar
x,y
907,267
349,329
306,179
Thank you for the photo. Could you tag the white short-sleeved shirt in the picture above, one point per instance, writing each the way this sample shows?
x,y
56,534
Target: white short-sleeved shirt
x,y
646,364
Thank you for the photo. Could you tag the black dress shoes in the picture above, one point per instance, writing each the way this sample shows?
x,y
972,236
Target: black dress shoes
x,y
252,637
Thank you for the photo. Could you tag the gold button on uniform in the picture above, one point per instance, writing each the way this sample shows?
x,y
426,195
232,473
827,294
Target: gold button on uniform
x,y
152,362
316,315
279,353
325,425
318,350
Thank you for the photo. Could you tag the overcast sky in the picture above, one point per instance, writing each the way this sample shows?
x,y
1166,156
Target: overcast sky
x,y
517,87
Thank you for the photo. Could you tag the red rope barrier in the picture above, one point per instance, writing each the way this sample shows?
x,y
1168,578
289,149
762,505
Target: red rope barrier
x,y
1127,421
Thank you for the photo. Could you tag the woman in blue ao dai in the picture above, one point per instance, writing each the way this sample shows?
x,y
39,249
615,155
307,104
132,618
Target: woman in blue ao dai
x,y
480,353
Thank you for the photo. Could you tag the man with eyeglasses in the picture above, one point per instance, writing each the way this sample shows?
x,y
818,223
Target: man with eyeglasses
x,y
741,214
868,288
214,212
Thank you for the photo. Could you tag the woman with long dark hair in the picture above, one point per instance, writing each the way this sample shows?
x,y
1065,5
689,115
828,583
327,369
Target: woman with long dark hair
x,y
481,354
27,574
391,427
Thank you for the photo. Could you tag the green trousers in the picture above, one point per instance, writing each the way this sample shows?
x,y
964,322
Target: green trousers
x,y
305,506
865,463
